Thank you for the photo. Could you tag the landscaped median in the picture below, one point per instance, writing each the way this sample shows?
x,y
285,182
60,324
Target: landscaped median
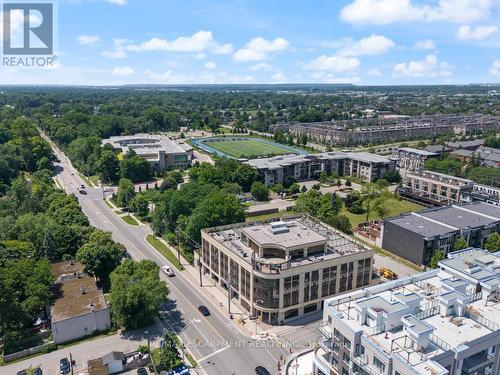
x,y
129,220
164,250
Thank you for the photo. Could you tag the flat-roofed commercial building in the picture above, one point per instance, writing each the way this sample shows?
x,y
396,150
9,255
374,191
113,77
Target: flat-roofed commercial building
x,y
363,165
441,322
411,158
281,270
417,236
161,152
431,188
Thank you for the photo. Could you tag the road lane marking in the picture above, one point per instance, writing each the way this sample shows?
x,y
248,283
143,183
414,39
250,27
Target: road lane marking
x,y
212,354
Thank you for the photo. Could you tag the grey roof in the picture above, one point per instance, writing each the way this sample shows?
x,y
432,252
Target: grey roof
x,y
442,220
473,263
417,151
378,304
420,225
280,161
457,217
144,144
483,208
465,144
416,325
437,148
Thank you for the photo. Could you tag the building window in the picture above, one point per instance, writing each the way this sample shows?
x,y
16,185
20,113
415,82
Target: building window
x,y
378,364
346,357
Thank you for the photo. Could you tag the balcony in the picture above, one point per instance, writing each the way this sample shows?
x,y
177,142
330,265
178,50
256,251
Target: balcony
x,y
365,367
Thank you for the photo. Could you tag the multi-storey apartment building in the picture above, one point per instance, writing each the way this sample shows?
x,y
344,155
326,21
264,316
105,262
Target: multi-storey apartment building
x,y
363,165
441,322
392,129
416,236
482,193
161,152
281,270
433,189
411,158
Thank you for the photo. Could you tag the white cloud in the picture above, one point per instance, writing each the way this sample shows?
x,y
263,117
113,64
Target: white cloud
x,y
222,49
371,45
200,43
326,77
428,67
123,71
259,48
427,44
118,52
210,65
261,66
200,56
374,72
118,2
88,40
385,12
334,63
278,77
466,32
495,68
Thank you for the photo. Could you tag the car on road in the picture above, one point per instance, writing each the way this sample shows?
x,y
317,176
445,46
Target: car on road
x,y
168,271
37,371
22,372
82,191
261,370
204,311
82,187
64,366
142,371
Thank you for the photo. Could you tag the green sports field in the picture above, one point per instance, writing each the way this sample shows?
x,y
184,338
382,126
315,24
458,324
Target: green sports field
x,y
245,148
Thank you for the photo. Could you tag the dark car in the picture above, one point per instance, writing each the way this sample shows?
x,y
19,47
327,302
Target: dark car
x,y
204,311
37,371
142,371
64,366
22,372
260,370
84,192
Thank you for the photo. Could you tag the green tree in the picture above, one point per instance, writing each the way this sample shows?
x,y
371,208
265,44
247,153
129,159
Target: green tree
x,y
101,255
108,166
136,293
219,208
169,353
25,289
260,191
460,244
134,167
140,205
126,191
492,243
436,258
372,197
340,222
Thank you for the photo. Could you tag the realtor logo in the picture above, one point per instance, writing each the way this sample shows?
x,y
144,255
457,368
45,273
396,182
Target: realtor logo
x,y
28,28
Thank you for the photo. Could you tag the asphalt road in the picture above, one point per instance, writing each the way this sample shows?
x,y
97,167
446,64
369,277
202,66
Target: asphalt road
x,y
214,342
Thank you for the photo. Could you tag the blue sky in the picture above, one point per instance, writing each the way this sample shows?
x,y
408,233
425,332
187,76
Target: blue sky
x,y
107,42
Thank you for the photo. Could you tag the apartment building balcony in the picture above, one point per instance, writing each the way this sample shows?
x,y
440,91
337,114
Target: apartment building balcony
x,y
362,366
477,363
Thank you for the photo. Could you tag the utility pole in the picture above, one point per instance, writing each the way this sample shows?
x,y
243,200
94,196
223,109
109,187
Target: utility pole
x,y
199,269
178,246
71,363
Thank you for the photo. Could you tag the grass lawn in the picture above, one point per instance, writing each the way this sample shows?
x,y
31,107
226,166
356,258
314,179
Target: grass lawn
x,y
109,204
395,207
247,147
164,250
129,220
274,215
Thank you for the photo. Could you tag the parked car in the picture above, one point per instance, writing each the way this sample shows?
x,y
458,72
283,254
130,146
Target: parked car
x,y
82,191
64,366
82,187
22,372
261,370
37,371
142,371
204,311
168,271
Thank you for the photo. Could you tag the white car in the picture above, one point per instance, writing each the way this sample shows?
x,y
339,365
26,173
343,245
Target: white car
x,y
168,271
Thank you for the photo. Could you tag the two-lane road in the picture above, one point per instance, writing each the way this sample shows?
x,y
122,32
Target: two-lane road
x,y
214,342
